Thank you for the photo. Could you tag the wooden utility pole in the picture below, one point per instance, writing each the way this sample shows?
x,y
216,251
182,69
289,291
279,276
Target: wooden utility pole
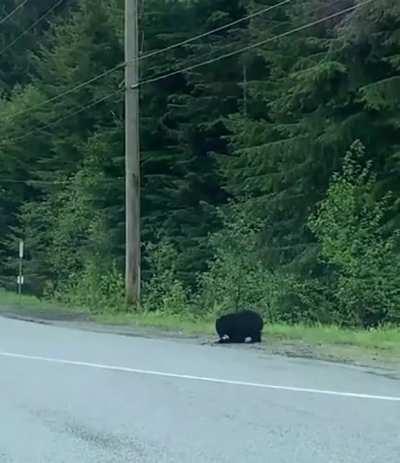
x,y
132,153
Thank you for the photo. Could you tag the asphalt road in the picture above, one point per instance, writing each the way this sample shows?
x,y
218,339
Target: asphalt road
x,y
82,397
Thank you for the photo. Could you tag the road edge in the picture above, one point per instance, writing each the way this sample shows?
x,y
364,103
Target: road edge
x,y
296,350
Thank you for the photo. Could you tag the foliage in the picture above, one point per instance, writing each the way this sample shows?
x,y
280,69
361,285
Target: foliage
x,y
164,292
98,290
235,278
265,129
349,226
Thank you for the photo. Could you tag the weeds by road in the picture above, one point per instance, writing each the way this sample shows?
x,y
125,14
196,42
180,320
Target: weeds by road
x,y
325,342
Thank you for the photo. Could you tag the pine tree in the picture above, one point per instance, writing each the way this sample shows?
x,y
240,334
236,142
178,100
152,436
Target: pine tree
x,y
316,99
19,40
47,160
84,154
184,183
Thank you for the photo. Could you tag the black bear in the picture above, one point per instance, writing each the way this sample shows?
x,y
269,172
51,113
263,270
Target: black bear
x,y
237,327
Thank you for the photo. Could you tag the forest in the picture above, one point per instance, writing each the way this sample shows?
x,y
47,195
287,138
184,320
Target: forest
x,y
270,156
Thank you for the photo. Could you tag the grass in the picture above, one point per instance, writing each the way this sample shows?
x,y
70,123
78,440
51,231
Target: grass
x,y
383,340
9,299
31,305
169,322
26,304
326,341
376,339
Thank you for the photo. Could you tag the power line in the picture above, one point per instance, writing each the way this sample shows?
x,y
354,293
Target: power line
x,y
104,180
12,13
210,61
52,124
335,2
81,109
254,45
67,116
148,55
27,182
192,67
43,16
214,31
219,29
67,92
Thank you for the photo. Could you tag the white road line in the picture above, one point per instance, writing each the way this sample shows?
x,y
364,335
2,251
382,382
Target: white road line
x,y
200,378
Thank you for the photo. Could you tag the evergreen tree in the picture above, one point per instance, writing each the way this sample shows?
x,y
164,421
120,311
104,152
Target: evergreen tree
x,y
316,103
19,40
267,128
183,179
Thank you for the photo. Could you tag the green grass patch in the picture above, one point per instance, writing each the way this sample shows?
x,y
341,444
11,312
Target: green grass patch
x,y
375,339
165,321
10,299
31,305
383,340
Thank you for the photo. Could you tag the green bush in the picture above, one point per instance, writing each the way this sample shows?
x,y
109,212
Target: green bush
x,y
164,291
236,278
95,288
349,225
298,300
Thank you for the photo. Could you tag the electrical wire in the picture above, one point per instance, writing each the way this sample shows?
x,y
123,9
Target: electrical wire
x,y
65,117
195,66
254,45
214,31
28,182
12,13
335,2
43,16
53,124
148,55
104,180
204,63
224,56
67,92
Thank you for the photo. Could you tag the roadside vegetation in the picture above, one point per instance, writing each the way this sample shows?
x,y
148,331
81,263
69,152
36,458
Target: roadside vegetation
x,y
270,180
357,285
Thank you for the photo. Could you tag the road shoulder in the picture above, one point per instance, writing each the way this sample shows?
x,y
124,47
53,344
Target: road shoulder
x,y
378,360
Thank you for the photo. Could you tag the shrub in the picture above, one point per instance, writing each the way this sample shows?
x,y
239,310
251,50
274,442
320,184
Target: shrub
x,y
349,225
235,278
164,291
95,288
